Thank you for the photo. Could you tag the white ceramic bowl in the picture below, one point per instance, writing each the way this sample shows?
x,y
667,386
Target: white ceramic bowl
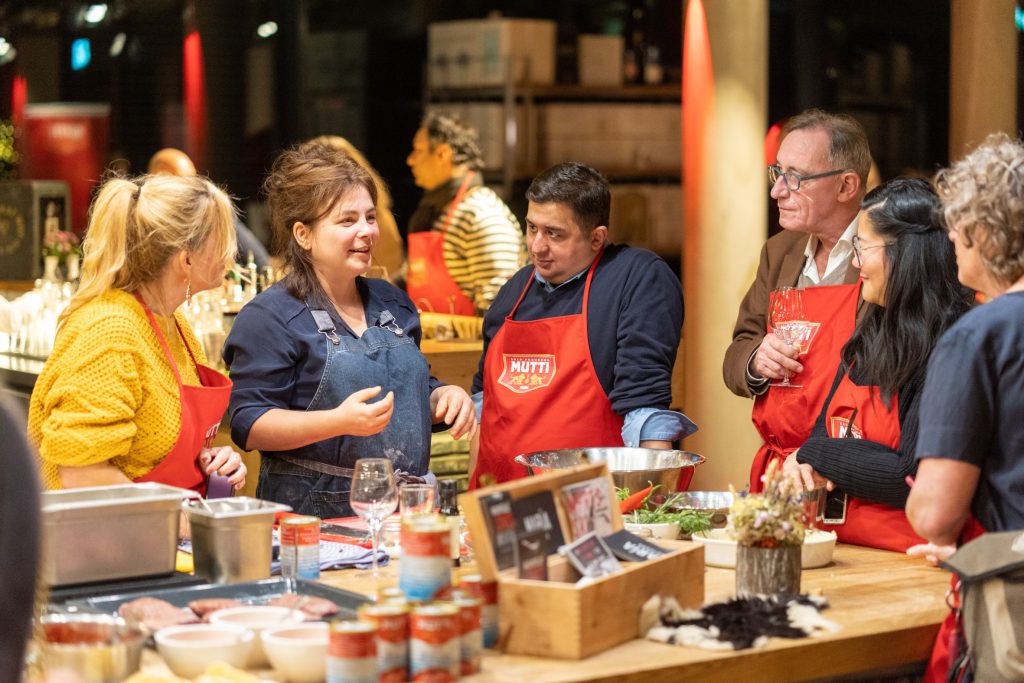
x,y
298,651
256,618
669,530
190,648
720,549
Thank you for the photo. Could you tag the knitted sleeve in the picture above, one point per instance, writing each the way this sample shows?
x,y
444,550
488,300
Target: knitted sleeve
x,y
89,407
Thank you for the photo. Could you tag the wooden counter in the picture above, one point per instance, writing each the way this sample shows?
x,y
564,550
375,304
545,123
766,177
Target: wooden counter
x,y
889,607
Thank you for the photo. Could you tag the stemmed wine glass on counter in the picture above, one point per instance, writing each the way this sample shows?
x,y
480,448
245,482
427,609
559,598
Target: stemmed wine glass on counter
x,y
785,317
374,496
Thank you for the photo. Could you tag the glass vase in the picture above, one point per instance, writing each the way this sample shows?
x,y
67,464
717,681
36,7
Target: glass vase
x,y
767,571
50,265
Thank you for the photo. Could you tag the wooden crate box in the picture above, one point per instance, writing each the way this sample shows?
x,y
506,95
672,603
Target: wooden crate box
x,y
557,618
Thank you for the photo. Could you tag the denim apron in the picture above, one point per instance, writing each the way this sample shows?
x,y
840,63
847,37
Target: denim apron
x,y
316,479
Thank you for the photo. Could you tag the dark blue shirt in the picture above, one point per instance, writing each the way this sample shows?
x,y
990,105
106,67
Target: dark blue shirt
x,y
634,322
973,407
276,354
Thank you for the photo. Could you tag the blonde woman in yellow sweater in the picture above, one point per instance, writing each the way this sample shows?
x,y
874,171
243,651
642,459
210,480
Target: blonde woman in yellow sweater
x,y
126,394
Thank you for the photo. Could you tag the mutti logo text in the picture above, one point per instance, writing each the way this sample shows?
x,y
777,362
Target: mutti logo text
x,y
805,332
527,372
839,426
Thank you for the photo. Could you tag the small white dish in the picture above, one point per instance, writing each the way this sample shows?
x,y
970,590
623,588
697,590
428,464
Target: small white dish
x,y
720,549
667,530
298,651
189,649
256,618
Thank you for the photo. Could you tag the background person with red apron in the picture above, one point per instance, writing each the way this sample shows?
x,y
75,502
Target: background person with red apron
x,y
463,242
126,395
578,349
972,414
862,444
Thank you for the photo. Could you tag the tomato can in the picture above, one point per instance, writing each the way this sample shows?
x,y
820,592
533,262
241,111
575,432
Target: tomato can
x,y
471,638
390,593
300,547
487,591
426,567
434,643
392,620
352,652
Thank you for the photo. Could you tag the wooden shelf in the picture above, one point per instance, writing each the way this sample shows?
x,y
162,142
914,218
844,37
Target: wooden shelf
x,y
671,92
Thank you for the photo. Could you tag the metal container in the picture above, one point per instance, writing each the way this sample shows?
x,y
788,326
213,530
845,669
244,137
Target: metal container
x,y
110,532
717,503
631,468
99,648
232,538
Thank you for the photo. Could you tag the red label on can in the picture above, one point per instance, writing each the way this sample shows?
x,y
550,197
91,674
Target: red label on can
x,y
302,531
435,627
429,542
469,615
353,643
392,621
433,676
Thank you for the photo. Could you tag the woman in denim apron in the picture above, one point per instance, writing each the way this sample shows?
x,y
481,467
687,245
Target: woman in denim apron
x,y
326,364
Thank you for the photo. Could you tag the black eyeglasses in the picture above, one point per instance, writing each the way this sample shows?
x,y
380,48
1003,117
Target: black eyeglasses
x,y
859,247
792,180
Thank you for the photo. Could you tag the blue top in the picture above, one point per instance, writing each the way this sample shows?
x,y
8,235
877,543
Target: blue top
x,y
277,356
634,324
972,409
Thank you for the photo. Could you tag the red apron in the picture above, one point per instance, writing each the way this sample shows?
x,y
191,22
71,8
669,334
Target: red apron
x,y
870,524
202,408
429,284
541,392
784,416
946,642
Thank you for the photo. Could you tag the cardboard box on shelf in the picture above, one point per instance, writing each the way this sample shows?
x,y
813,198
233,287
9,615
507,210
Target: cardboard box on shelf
x,y
485,52
649,216
599,59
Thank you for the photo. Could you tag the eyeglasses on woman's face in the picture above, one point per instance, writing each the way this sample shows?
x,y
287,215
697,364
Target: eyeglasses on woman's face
x,y
859,247
792,180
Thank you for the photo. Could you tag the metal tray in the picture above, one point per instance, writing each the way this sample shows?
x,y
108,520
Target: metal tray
x,y
253,592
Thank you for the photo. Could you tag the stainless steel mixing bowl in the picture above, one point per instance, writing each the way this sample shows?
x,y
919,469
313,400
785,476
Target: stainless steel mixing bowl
x,y
632,468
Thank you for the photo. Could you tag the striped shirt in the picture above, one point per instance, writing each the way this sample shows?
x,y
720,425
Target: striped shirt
x,y
483,245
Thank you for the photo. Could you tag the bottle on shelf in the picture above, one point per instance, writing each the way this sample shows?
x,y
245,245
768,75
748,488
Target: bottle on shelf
x,y
449,489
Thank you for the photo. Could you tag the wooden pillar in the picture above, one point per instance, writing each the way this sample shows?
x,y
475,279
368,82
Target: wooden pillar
x,y
983,72
725,197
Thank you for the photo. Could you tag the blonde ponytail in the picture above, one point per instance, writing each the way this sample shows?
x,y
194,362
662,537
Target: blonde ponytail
x,y
136,226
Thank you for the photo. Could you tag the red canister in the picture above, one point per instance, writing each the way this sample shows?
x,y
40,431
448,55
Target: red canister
x,y
487,591
471,638
434,644
300,547
392,620
352,652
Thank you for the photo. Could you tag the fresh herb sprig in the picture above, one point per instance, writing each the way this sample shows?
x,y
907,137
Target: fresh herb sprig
x,y
690,521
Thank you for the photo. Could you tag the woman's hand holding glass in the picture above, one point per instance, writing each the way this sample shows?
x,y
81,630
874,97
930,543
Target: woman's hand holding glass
x,y
357,417
453,406
225,461
374,496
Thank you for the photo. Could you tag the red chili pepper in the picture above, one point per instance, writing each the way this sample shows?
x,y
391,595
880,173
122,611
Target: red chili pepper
x,y
634,500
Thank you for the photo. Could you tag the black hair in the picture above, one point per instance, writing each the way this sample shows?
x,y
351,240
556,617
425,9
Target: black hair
x,y
578,186
922,294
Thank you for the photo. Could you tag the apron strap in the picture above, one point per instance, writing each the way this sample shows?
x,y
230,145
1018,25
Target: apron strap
x,y
586,287
456,201
324,324
160,336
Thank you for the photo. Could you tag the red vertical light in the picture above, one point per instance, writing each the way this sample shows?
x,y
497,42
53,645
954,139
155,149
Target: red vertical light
x,y
19,97
698,103
195,100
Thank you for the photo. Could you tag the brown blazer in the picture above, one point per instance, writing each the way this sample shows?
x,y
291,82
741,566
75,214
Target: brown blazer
x,y
782,260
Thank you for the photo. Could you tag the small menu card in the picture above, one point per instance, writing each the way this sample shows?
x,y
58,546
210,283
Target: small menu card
x,y
589,504
501,523
629,547
536,517
591,556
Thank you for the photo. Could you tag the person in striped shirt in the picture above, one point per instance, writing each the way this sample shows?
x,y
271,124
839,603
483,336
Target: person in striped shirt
x,y
464,242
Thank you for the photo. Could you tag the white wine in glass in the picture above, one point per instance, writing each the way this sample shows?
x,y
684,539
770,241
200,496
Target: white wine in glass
x,y
374,496
785,316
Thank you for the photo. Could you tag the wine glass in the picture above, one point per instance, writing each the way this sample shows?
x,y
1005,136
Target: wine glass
x,y
374,496
785,315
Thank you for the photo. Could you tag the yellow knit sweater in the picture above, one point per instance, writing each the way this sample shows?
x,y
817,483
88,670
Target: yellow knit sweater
x,y
107,391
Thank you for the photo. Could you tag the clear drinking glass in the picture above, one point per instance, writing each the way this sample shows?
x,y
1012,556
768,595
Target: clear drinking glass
x,y
785,317
415,499
374,496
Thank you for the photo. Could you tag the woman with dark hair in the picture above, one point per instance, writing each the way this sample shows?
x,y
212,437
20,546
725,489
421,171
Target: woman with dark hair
x,y
326,364
862,446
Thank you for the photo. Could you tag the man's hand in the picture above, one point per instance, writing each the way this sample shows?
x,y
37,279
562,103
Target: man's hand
x,y
453,406
804,475
775,359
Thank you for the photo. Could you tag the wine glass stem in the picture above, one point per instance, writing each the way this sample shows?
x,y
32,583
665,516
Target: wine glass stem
x,y
375,526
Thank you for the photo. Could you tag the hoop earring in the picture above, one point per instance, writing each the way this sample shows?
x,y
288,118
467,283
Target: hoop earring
x,y
188,292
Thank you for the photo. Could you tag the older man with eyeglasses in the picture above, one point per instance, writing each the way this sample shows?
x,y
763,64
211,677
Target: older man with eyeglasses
x,y
818,181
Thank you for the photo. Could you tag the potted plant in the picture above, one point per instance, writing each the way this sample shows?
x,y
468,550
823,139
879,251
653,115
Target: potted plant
x,y
57,245
769,529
